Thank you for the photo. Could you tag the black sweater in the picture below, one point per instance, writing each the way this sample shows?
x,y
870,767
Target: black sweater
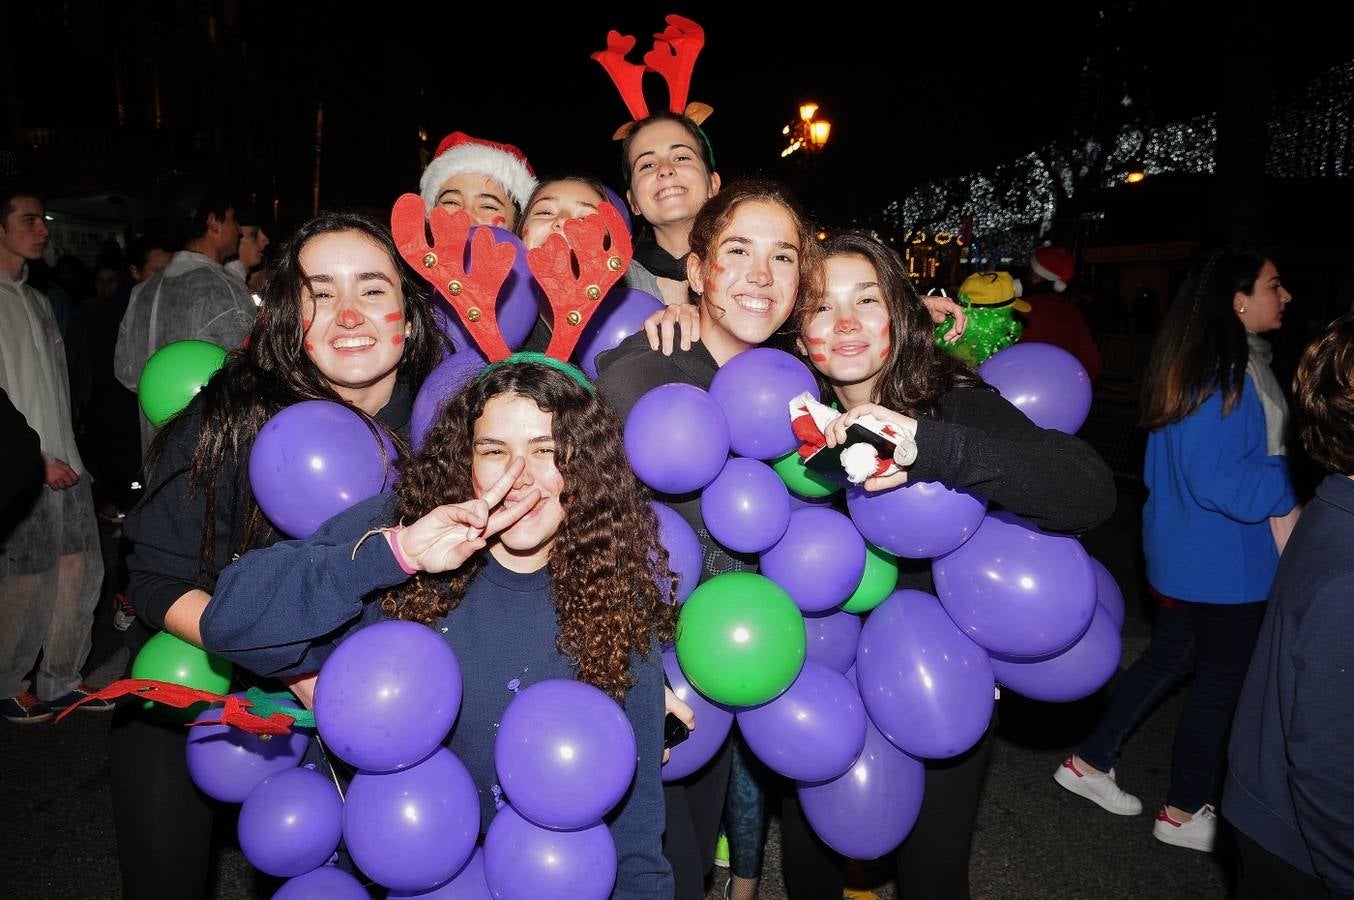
x,y
165,529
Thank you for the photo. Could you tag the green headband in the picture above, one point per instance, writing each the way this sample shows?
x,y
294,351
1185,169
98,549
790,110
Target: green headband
x,y
528,357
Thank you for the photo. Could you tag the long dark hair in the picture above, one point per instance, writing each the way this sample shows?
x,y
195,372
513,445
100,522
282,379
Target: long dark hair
x,y
916,373
606,564
272,371
1201,347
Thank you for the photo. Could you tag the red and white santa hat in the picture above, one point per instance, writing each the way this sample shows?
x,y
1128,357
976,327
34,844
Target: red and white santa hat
x,y
459,152
1055,264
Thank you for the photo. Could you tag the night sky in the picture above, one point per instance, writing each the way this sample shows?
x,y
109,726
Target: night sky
x,y
914,91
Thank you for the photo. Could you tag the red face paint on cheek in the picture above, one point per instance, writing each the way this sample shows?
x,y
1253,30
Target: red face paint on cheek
x,y
310,348
818,357
716,269
498,221
884,354
305,324
817,342
392,316
397,340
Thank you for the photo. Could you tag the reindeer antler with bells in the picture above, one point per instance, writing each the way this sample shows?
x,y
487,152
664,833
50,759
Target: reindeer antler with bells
x,y
471,290
574,298
673,57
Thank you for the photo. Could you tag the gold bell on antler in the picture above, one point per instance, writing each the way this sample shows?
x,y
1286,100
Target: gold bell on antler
x,y
594,292
614,263
574,317
429,260
454,287
473,313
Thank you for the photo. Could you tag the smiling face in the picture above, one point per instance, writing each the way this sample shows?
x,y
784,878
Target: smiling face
x,y
553,204
352,316
512,426
847,334
1262,309
485,199
748,288
669,182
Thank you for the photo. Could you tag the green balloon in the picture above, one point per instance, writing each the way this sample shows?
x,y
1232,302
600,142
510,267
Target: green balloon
x,y
173,376
879,580
740,639
801,479
168,658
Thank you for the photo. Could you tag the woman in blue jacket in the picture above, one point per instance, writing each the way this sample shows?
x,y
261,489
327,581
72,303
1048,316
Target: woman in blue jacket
x,y
1217,511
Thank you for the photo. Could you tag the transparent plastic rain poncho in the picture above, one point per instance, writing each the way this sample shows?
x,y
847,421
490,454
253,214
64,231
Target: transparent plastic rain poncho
x,y
192,299
50,564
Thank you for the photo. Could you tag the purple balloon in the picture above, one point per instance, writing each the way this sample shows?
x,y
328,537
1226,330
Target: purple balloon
x,y
713,721
565,753
525,860
621,207
1107,593
676,438
520,300
1016,590
833,637
324,883
919,520
755,389
620,315
414,829
1044,382
747,507
684,549
312,461
227,763
387,696
467,884
819,560
869,809
443,383
291,822
1077,672
927,688
812,732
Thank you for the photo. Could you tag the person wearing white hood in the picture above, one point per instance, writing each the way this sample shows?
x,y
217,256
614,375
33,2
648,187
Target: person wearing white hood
x,y
194,298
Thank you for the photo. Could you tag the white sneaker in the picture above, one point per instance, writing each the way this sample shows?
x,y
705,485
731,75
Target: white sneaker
x,y
1099,789
1198,833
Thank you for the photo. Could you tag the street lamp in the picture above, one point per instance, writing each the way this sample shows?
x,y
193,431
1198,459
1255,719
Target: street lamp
x,y
809,134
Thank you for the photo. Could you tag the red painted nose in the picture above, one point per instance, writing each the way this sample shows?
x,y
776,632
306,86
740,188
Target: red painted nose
x,y
349,318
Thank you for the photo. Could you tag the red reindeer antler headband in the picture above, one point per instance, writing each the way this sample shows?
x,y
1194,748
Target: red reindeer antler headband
x,y
673,57
597,247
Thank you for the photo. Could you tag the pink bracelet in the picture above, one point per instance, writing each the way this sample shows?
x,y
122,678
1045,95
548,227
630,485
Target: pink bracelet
x,y
392,538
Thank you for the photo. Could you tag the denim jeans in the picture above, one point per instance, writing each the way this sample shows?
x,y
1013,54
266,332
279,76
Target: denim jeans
x,y
1212,640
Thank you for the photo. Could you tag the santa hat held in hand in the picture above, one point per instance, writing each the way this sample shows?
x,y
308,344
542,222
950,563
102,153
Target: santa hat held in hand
x,y
459,152
1055,264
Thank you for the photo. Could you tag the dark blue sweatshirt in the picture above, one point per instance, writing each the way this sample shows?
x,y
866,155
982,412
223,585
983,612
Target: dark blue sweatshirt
x,y
281,610
1290,783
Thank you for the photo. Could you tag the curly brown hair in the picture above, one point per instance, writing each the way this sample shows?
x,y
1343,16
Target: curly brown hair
x,y
1324,390
609,573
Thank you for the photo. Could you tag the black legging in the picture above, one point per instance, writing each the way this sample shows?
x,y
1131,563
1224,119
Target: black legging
x,y
694,807
932,863
164,823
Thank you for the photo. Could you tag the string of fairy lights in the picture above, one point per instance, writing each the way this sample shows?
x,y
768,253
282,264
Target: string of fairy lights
x,y
1006,207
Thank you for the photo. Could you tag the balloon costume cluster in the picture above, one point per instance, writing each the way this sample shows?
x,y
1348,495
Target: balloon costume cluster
x,y
843,703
